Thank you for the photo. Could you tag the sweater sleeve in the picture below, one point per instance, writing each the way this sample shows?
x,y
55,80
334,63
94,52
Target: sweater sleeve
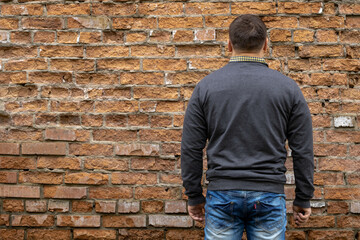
x,y
192,144
299,135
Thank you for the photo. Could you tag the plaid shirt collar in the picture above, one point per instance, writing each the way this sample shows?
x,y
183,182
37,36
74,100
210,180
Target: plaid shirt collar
x,y
247,59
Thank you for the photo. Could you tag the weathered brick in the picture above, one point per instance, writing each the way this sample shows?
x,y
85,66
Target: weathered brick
x,y
341,193
352,22
164,64
12,234
8,177
349,221
157,193
16,77
176,234
35,206
82,206
77,221
7,162
26,64
42,23
137,149
145,234
322,22
118,64
9,148
18,191
68,9
259,8
152,9
9,23
32,220
180,22
105,206
67,37
13,205
58,206
326,36
337,207
154,206
133,178
124,221
41,177
318,234
128,207
48,234
44,37
114,9
170,221
4,220
16,52
114,135
59,163
280,22
183,36
86,178
106,164
90,149
353,178
152,164
107,51
299,8
134,23
90,37
64,192
72,64
98,22
110,193
94,234
280,35
175,207
317,222
321,51
44,148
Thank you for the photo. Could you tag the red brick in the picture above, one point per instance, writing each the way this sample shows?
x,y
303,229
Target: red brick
x,y
82,206
13,205
316,222
11,234
4,220
41,177
111,37
128,207
134,23
329,150
72,65
114,9
152,206
344,165
8,177
342,193
183,36
106,164
137,149
166,193
94,234
42,23
280,35
44,37
328,235
15,52
44,148
36,206
177,234
321,178
26,64
86,178
30,9
352,221
321,51
48,234
198,50
164,64
58,206
170,221
152,164
124,221
16,77
64,192
351,22
174,8
118,64
353,178
10,148
143,234
342,136
299,8
90,37
32,220
105,206
59,163
7,162
160,135
18,191
180,22
68,9
142,78
9,23
322,22
77,221
337,207
110,193
280,22
253,8
175,207
133,178
91,149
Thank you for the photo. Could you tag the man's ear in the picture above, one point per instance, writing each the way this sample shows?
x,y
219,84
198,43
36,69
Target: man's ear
x,y
266,44
230,47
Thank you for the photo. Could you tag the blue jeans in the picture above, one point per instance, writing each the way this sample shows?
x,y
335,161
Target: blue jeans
x,y
228,213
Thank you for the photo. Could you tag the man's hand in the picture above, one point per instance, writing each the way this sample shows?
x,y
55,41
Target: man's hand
x,y
301,215
197,212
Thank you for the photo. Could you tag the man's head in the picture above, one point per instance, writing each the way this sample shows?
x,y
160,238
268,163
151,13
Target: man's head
x,y
247,34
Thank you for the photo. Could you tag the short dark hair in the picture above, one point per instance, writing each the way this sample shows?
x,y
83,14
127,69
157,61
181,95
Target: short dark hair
x,y
247,33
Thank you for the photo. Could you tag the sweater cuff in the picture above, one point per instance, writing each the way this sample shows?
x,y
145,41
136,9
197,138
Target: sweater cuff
x,y
196,200
302,203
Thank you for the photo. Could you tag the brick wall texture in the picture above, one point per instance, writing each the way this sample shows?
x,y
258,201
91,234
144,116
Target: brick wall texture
x,y
92,100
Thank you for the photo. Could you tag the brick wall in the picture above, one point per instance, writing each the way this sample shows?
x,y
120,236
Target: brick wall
x,y
92,99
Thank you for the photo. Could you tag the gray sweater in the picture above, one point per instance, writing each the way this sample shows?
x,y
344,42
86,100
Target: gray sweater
x,y
246,111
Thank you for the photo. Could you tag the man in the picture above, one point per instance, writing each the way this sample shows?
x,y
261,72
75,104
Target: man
x,y
246,111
